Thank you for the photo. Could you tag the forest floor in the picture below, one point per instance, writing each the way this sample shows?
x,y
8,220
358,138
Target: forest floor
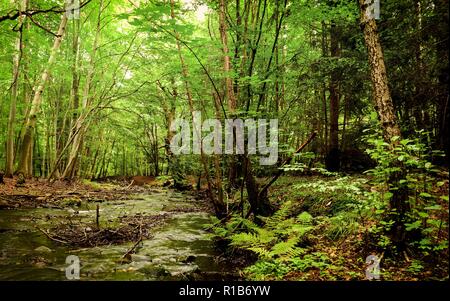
x,y
338,246
38,193
341,243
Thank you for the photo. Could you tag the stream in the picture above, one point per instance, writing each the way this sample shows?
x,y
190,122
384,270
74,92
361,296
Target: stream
x,y
178,248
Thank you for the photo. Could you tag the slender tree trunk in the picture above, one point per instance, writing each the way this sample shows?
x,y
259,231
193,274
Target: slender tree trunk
x,y
441,10
74,93
343,139
277,63
25,153
219,206
80,127
12,113
228,83
169,114
332,162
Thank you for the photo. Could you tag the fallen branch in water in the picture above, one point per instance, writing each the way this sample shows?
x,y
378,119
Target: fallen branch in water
x,y
127,255
51,237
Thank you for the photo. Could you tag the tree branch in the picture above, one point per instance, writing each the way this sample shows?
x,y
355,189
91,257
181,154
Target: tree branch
x,y
14,14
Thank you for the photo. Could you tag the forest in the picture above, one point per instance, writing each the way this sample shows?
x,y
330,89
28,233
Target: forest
x,y
224,140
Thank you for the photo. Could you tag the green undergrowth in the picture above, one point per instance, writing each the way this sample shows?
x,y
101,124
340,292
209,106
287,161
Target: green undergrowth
x,y
323,230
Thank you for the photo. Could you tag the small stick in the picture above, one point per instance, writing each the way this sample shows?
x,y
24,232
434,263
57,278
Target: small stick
x,y
132,182
128,253
97,215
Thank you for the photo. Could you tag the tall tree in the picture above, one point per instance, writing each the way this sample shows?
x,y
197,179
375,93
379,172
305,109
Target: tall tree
x,y
30,124
80,127
217,200
380,87
17,57
385,108
334,153
227,68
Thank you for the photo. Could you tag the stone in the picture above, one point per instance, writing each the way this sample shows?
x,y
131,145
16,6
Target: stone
x,y
189,259
4,204
43,249
139,258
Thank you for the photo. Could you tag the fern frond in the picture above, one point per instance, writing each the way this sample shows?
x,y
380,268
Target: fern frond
x,y
279,216
262,252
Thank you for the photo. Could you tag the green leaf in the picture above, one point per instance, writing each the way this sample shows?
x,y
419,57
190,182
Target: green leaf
x,y
412,226
425,195
405,141
434,207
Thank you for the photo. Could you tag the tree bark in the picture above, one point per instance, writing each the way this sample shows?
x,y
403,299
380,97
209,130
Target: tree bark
x,y
332,162
25,153
12,113
80,127
380,88
384,106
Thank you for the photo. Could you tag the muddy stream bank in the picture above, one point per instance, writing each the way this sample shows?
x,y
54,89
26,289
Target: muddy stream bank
x,y
176,248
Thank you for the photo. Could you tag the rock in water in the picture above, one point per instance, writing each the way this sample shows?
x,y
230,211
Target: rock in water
x,y
43,249
139,258
189,259
4,204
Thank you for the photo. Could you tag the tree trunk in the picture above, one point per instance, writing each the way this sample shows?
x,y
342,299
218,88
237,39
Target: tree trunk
x,y
169,115
384,106
228,83
441,11
12,113
381,94
25,153
332,162
80,127
219,206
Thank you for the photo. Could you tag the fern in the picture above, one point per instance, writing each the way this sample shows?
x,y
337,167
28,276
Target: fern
x,y
286,248
279,216
261,252
248,240
277,242
278,238
305,218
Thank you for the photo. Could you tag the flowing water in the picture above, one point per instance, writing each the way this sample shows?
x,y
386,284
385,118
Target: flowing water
x,y
178,248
